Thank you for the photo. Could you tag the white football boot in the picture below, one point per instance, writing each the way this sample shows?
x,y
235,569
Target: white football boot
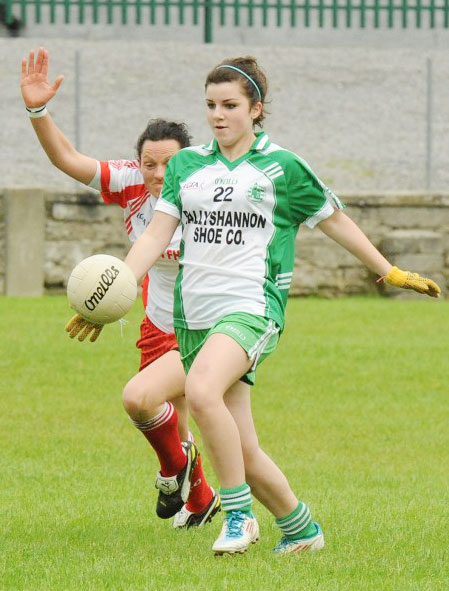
x,y
186,519
238,532
313,542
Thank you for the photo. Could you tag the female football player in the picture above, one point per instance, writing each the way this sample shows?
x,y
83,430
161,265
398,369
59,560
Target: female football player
x,y
154,398
240,199
128,183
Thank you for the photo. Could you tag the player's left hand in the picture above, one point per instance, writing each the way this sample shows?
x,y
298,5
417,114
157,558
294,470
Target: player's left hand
x,y
78,325
408,280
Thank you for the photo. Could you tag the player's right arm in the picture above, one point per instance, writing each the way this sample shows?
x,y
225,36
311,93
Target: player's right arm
x,y
37,92
142,256
157,236
151,244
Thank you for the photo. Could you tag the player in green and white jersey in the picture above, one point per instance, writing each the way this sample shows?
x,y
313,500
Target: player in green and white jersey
x,y
241,199
240,221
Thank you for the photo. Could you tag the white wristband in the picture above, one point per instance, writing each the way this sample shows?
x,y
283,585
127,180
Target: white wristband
x,y
36,112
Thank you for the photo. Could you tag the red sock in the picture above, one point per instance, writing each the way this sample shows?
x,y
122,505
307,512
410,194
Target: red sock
x,y
200,492
162,433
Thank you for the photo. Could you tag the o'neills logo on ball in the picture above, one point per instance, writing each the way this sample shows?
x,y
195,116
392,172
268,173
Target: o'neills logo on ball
x,y
107,278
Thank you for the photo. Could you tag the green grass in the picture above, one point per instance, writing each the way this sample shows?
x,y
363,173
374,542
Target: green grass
x,y
353,406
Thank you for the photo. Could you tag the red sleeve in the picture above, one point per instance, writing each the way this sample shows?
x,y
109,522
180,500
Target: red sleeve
x,y
121,181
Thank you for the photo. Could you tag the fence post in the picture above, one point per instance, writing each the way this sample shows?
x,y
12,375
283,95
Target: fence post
x,y
208,18
25,239
429,114
77,100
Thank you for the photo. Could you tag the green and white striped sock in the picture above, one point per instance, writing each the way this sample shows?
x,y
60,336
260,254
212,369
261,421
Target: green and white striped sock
x,y
298,524
236,499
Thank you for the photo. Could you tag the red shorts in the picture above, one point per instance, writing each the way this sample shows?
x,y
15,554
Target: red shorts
x,y
145,284
154,343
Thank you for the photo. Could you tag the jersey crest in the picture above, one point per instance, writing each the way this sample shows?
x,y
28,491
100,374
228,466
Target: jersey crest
x,y
256,193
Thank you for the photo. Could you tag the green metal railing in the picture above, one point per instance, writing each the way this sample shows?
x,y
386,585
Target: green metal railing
x,y
296,13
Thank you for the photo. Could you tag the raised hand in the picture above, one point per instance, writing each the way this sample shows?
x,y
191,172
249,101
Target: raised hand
x,y
36,90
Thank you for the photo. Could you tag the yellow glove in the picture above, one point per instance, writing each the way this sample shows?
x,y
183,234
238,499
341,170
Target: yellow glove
x,y
408,280
82,327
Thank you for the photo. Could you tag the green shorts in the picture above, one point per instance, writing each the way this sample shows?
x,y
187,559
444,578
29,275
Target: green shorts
x,y
258,336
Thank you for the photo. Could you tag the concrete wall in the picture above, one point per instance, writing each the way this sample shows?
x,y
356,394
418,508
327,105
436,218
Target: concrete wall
x,y
411,229
2,243
356,114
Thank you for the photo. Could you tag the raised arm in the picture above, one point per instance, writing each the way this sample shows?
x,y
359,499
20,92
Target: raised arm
x,y
36,93
345,232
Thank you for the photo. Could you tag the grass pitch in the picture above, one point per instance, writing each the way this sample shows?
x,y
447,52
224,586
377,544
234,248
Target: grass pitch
x,y
353,406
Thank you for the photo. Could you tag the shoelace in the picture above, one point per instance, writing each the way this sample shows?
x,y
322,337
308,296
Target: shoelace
x,y
234,522
281,545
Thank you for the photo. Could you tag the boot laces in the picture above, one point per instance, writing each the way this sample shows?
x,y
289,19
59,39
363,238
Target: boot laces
x,y
234,523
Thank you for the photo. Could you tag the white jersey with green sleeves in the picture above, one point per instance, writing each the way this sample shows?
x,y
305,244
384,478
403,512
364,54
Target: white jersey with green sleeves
x,y
239,224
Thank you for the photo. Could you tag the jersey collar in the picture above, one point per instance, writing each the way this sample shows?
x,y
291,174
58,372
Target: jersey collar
x,y
261,142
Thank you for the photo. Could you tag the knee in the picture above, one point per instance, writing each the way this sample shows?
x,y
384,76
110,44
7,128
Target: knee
x,y
132,399
136,399
200,396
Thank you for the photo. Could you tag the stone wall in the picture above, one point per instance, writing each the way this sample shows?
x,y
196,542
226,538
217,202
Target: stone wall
x,y
77,227
411,229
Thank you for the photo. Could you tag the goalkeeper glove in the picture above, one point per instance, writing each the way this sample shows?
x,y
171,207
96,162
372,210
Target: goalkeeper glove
x,y
82,327
408,280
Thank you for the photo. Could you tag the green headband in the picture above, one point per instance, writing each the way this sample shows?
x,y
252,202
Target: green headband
x,y
246,76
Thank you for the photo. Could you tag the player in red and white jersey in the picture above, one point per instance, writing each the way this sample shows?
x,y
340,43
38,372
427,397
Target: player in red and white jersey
x,y
122,182
153,398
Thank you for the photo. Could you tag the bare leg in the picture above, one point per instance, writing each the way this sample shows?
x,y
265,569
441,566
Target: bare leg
x,y
145,393
268,483
144,398
219,364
